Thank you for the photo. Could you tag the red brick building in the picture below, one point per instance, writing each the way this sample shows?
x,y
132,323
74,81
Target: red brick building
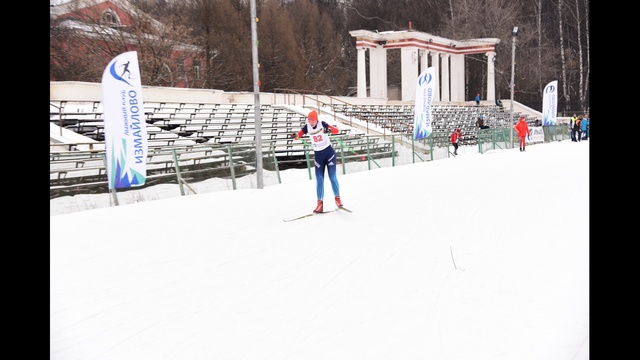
x,y
86,34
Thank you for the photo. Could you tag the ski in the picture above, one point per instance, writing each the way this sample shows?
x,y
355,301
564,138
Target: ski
x,y
312,214
299,217
307,215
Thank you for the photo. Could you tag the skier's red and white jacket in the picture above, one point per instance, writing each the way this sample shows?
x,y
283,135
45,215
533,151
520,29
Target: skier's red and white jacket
x,y
319,139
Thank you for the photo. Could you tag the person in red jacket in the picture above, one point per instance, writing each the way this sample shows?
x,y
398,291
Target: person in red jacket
x,y
522,129
324,155
455,138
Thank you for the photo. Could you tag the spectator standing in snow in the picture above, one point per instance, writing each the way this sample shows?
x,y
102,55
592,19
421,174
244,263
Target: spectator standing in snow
x,y
585,127
572,126
454,138
577,129
522,129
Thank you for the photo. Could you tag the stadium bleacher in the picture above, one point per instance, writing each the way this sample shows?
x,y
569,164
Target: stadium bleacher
x,y
194,135
197,135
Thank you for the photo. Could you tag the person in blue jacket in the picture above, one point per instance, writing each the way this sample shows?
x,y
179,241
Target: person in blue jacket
x,y
584,124
478,99
324,155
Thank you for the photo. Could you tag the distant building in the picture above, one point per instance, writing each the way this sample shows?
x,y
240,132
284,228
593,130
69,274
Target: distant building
x,y
103,21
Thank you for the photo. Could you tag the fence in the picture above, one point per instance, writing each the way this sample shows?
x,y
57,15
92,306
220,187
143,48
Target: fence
x,y
84,172
492,139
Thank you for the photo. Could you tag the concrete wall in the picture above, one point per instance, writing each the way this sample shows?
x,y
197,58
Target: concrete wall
x,y
86,91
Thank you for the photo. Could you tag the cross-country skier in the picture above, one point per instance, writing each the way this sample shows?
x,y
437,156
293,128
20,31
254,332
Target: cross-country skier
x,y
324,155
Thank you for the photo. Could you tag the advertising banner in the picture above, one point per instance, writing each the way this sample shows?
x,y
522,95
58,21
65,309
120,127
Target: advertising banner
x,y
423,117
124,123
550,103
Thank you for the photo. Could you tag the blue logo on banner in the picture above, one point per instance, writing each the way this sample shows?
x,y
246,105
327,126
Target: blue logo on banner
x,y
125,70
550,89
426,79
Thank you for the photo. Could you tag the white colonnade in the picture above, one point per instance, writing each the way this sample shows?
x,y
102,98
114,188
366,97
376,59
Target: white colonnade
x,y
416,49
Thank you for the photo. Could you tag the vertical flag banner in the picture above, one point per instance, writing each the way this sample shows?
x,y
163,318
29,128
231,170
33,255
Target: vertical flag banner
x,y
125,129
422,116
550,103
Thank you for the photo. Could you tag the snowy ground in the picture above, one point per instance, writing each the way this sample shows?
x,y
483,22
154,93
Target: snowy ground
x,y
475,257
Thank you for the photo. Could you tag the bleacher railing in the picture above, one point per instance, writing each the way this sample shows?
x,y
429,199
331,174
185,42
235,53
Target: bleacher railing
x,y
179,165
498,138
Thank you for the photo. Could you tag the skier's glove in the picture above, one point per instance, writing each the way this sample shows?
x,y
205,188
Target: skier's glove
x,y
529,138
294,136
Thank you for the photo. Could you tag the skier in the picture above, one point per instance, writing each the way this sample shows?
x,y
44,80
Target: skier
x,y
324,155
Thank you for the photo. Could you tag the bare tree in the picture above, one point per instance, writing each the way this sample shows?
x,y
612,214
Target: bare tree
x,y
223,29
451,12
278,55
199,13
318,46
584,100
538,10
565,92
305,44
580,61
479,19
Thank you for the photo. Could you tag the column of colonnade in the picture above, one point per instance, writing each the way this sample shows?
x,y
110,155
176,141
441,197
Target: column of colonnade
x,y
491,76
414,61
409,71
435,62
444,96
378,72
362,73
